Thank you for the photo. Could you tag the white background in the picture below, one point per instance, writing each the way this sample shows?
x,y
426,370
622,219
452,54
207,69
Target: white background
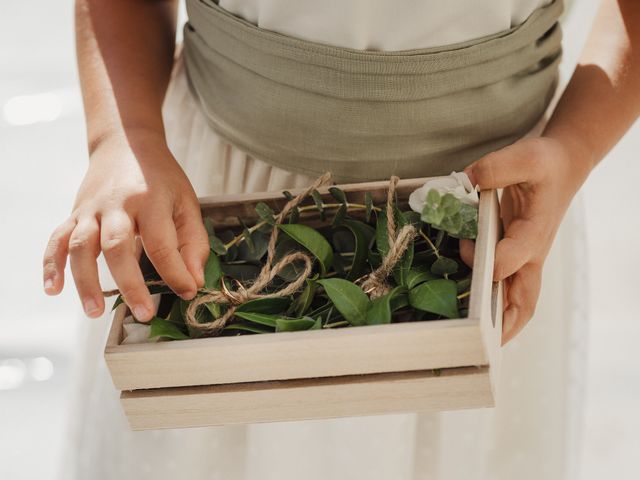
x,y
42,164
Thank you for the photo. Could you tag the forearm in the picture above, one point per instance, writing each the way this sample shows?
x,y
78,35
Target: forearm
x,y
602,99
125,52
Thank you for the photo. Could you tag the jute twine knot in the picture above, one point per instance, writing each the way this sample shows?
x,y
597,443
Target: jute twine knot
x,y
375,284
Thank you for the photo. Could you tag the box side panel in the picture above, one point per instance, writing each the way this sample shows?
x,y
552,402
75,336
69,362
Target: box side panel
x,y
308,399
289,355
486,295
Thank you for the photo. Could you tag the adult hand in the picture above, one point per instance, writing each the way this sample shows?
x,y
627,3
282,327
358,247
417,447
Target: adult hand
x,y
129,191
539,180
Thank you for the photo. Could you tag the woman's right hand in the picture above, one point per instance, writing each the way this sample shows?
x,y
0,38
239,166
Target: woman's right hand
x,y
130,188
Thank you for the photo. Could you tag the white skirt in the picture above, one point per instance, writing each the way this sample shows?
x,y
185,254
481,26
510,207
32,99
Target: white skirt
x,y
533,434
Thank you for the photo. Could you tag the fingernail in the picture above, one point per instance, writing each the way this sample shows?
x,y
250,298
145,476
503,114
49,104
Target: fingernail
x,y
140,312
48,284
90,306
187,295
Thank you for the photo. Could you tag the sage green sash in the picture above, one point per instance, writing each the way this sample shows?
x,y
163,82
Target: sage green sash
x,y
364,115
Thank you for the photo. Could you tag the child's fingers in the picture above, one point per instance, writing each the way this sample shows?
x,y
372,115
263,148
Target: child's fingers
x,y
193,240
159,237
55,257
117,240
84,248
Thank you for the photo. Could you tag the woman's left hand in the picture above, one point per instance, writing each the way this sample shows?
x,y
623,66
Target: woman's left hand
x,y
539,180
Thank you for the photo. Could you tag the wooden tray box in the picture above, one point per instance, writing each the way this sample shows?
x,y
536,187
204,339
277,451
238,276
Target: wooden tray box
x,y
406,367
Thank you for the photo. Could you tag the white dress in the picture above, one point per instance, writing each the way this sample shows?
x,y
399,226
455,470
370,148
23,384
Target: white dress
x,y
532,435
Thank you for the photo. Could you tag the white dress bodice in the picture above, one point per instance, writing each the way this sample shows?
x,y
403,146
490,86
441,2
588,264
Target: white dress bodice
x,y
384,24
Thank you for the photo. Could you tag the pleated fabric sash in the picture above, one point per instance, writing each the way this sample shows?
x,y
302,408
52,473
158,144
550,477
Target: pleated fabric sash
x,y
364,115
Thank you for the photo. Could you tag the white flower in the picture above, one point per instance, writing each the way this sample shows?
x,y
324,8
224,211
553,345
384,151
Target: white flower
x,y
457,184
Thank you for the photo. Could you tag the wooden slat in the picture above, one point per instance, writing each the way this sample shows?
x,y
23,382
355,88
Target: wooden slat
x,y
288,355
486,295
308,399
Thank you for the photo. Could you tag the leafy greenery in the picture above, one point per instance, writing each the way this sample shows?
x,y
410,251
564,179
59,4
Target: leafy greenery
x,y
346,242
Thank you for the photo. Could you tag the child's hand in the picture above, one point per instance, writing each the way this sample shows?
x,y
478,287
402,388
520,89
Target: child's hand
x,y
130,188
539,183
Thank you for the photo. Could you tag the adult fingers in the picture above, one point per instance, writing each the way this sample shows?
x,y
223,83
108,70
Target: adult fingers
x,y
517,163
55,257
160,241
84,248
467,250
524,289
516,248
193,240
117,240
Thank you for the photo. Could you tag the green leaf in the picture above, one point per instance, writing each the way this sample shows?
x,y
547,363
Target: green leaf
x,y
432,213
436,296
214,308
165,329
340,215
175,314
257,249
119,301
416,277
381,308
368,203
217,245
259,318
265,305
240,327
303,302
469,216
338,195
361,248
294,324
244,272
317,199
348,298
285,246
208,225
450,204
265,213
312,241
294,216
212,272
463,284
444,266
382,240
451,224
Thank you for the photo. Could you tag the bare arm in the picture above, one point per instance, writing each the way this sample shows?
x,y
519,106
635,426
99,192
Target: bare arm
x,y
602,99
133,185
540,176
125,53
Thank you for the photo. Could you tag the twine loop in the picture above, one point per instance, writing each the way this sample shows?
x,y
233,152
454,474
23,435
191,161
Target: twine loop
x,y
375,284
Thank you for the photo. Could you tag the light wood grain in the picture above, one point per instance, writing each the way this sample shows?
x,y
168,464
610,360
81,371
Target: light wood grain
x,y
284,355
308,399
318,374
486,295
